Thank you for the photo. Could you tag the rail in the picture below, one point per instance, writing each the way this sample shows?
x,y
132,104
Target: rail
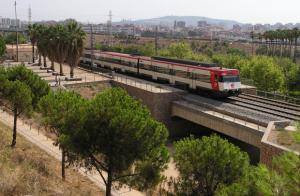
x,y
271,95
278,96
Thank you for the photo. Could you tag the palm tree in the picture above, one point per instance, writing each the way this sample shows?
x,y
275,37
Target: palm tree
x,y
252,36
52,40
75,45
33,35
42,43
296,35
61,49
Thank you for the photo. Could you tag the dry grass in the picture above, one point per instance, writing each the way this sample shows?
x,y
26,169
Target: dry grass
x,y
27,170
286,139
89,91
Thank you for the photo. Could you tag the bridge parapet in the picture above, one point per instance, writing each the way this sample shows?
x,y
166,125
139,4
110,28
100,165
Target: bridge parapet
x,y
239,129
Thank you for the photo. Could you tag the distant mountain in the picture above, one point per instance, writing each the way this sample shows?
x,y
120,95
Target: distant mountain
x,y
190,20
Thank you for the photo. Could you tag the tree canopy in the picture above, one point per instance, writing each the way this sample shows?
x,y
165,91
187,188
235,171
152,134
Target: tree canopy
x,y
21,89
2,46
117,135
206,164
11,38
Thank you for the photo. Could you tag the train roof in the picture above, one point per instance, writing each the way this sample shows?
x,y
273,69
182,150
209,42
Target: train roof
x,y
182,63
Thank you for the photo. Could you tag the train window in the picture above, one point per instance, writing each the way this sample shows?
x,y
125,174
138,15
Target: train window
x,y
180,73
229,79
202,77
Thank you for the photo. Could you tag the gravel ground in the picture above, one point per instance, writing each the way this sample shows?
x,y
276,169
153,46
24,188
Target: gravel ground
x,y
247,114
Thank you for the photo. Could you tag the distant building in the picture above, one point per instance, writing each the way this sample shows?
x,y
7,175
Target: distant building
x,y
236,28
10,23
179,24
202,23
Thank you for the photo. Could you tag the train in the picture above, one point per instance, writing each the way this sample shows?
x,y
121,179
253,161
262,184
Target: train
x,y
208,78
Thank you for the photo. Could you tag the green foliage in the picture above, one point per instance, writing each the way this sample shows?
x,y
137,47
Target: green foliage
x,y
19,96
55,108
236,51
283,178
147,49
11,38
38,87
2,46
206,164
117,134
22,89
265,73
179,50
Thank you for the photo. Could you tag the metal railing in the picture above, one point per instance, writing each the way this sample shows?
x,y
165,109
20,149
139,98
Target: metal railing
x,y
277,96
271,95
139,84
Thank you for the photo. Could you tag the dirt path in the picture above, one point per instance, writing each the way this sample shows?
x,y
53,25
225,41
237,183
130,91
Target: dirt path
x,y
34,136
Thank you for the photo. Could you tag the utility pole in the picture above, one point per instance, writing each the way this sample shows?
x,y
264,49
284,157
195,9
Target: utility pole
x,y
17,34
156,40
29,15
92,45
109,27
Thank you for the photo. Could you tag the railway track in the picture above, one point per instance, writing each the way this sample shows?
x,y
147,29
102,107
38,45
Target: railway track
x,y
276,108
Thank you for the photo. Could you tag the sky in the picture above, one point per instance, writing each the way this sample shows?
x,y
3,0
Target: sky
x,y
96,11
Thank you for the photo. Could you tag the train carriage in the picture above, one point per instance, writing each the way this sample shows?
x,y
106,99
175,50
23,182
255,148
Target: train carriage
x,y
185,74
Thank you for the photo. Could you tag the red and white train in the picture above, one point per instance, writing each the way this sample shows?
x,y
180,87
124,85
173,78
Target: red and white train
x,y
188,74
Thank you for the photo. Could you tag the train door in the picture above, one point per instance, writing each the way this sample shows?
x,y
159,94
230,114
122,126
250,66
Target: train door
x,y
214,81
191,77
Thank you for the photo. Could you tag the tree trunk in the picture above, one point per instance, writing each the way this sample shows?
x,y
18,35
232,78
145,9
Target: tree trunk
x,y
295,50
52,65
61,72
33,60
40,59
109,183
71,71
63,160
45,61
14,139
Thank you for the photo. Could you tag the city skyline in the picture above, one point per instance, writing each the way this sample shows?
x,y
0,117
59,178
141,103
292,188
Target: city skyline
x,y
256,11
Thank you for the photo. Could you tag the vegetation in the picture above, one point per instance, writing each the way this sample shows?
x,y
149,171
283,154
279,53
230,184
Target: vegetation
x,y
60,43
21,90
11,38
207,164
55,108
28,170
33,36
282,43
114,134
267,73
2,46
282,178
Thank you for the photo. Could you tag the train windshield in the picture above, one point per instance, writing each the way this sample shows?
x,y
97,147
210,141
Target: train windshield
x,y
229,79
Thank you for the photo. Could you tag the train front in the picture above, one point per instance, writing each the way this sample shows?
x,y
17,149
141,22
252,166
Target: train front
x,y
229,82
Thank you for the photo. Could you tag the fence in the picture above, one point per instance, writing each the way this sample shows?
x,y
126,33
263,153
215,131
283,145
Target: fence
x,y
277,96
271,95
139,84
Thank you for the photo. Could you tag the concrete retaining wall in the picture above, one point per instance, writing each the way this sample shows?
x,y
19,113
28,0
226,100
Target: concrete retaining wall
x,y
232,129
269,150
159,104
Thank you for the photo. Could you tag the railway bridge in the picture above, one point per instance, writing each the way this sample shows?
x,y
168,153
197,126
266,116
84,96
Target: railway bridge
x,y
246,118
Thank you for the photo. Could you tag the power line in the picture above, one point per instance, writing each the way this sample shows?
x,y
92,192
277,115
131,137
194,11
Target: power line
x,y
17,56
